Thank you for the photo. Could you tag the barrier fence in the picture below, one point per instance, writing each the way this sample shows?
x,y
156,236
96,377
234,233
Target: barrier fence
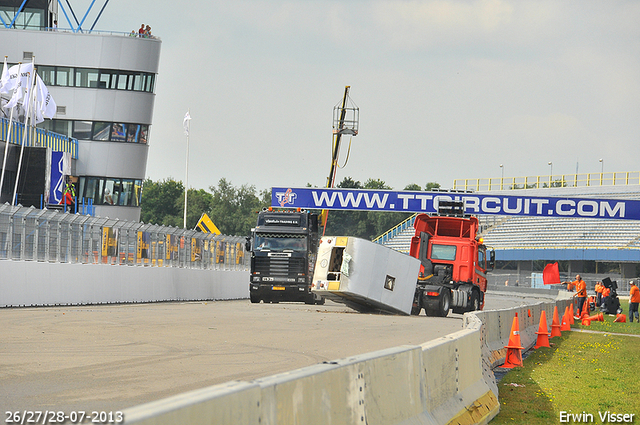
x,y
44,235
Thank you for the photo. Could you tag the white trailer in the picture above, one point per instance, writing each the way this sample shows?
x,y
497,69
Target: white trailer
x,y
364,275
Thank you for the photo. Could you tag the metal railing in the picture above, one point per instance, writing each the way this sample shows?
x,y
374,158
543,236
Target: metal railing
x,y
391,233
31,234
549,181
38,137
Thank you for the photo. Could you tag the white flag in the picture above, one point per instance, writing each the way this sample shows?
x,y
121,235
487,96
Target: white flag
x,y
185,123
17,84
5,74
10,80
45,105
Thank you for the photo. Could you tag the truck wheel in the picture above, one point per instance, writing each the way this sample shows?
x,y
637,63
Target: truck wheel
x,y
254,299
474,303
320,301
416,309
445,303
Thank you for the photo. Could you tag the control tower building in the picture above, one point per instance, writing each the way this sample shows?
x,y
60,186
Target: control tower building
x,y
103,84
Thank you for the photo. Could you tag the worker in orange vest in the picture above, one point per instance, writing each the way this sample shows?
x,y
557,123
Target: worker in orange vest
x,y
634,299
599,287
581,292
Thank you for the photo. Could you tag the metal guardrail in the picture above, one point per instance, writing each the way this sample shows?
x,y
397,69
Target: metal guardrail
x,y
32,234
38,137
391,233
549,181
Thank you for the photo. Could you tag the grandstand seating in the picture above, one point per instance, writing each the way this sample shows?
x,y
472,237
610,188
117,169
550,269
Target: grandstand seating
x,y
505,233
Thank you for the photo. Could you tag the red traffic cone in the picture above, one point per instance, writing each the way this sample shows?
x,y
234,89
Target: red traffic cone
x,y
565,320
543,332
586,322
597,317
514,353
621,318
571,320
555,324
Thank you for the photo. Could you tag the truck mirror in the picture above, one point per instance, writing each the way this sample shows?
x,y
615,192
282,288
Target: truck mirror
x,y
492,259
247,244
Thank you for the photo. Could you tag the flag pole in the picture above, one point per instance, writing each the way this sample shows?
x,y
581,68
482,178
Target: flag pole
x,y
187,127
26,122
6,146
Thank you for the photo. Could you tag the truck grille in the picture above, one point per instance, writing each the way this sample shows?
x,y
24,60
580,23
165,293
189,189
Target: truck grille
x,y
287,267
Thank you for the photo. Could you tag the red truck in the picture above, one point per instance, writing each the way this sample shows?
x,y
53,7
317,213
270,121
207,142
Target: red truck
x,y
453,265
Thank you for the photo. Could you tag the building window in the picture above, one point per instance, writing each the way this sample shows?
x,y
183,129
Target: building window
x,y
82,130
101,131
118,132
111,191
48,75
64,76
86,77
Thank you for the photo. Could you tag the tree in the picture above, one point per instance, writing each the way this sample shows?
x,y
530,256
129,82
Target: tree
x,y
431,185
234,209
162,202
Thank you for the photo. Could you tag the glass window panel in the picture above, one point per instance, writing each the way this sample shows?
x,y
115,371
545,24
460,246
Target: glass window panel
x,y
138,84
86,77
117,190
118,132
132,135
144,133
127,192
150,81
101,130
105,80
108,198
137,190
82,130
64,76
61,127
122,81
48,75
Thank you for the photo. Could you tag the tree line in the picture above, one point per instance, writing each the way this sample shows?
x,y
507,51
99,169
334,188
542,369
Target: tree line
x,y
234,209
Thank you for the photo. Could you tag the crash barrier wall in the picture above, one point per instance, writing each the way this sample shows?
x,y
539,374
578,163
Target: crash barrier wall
x,y
447,380
53,236
29,283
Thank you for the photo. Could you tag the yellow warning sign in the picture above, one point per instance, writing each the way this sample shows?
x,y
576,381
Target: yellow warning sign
x,y
206,225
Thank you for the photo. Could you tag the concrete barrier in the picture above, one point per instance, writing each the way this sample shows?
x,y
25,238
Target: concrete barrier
x,y
447,380
29,283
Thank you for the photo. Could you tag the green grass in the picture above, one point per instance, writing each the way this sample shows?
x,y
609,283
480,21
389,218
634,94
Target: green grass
x,y
581,372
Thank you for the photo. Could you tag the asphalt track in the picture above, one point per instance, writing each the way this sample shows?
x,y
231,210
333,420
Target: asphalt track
x,y
110,357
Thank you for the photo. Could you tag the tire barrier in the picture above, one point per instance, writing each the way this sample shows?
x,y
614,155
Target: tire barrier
x,y
447,380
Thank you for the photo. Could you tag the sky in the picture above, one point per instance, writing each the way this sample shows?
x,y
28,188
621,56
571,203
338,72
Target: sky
x,y
446,89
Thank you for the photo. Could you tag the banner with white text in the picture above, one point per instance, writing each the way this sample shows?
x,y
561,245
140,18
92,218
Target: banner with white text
x,y
475,203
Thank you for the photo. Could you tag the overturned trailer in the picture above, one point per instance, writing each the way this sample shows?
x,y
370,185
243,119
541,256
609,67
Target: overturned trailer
x,y
364,275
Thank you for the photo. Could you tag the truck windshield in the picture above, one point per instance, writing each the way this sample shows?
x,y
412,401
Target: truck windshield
x,y
443,252
280,243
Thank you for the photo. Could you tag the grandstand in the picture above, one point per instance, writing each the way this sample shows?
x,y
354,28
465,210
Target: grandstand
x,y
519,241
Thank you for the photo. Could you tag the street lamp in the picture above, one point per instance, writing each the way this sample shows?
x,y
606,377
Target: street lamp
x,y
601,165
502,178
551,171
502,169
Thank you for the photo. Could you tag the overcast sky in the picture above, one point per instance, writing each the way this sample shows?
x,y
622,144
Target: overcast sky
x,y
446,89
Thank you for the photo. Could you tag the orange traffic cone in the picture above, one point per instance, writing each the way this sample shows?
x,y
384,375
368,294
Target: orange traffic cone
x,y
586,322
571,321
555,324
597,317
621,318
565,320
514,353
585,310
543,332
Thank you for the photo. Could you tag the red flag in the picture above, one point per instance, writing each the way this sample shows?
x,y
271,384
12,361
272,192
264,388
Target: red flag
x,y
551,274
